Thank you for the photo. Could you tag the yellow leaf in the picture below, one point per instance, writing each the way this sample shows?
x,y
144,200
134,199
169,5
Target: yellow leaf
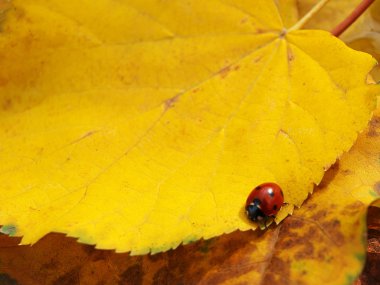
x,y
322,242
141,125
363,35
330,14
325,240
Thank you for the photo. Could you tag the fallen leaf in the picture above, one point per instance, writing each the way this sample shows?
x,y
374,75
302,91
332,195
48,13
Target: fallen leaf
x,y
362,35
365,36
324,241
329,16
141,125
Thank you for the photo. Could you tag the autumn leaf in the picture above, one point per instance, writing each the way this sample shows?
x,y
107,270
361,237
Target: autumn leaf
x,y
324,241
138,126
363,35
329,16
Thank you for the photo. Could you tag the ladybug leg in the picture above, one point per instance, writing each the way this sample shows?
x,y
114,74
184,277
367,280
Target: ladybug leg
x,y
268,219
262,222
265,222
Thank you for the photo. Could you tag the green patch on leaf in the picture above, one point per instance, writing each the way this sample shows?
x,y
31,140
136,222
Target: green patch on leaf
x,y
9,230
360,256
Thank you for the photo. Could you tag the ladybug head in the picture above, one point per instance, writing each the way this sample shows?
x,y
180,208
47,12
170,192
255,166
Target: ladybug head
x,y
254,212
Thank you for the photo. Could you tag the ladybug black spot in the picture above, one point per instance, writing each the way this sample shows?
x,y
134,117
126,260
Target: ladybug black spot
x,y
258,188
275,207
256,201
271,194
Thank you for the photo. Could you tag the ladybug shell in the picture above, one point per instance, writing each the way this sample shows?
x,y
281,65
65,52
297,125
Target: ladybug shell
x,y
269,196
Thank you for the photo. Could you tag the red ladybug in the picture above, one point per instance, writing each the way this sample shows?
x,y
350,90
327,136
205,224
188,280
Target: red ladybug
x,y
264,201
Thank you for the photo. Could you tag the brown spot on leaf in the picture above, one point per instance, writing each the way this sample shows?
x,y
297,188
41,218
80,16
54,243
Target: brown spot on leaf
x,y
100,255
244,20
374,125
227,255
287,244
269,279
84,136
297,223
321,255
69,278
133,275
282,34
257,59
310,233
287,229
332,227
352,208
320,215
347,172
278,272
372,133
163,276
89,249
169,103
224,71
289,235
51,265
290,55
376,187
306,252
310,206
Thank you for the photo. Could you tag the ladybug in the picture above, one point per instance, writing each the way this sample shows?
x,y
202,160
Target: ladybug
x,y
264,201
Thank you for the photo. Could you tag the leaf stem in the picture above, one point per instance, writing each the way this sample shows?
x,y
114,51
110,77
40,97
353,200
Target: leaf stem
x,y
338,30
308,15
